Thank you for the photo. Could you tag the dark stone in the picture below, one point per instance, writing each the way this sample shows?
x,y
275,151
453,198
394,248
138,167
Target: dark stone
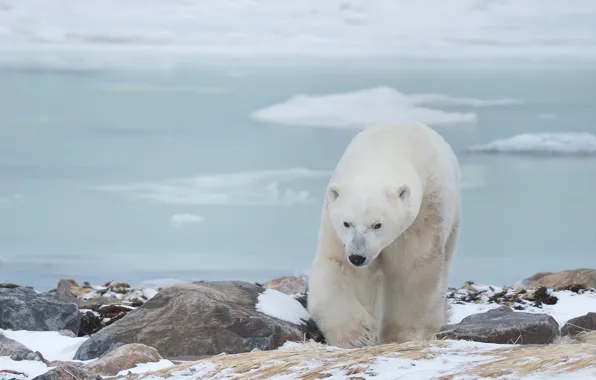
x,y
303,299
9,286
541,296
504,326
201,318
68,372
15,350
24,309
97,302
578,325
90,324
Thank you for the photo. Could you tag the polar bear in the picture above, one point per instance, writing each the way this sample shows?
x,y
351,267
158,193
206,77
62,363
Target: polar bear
x,y
388,231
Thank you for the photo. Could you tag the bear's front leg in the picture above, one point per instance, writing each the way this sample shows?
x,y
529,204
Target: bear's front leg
x,y
337,305
412,307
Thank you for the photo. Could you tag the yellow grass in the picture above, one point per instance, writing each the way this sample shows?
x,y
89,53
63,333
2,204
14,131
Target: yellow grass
x,y
517,361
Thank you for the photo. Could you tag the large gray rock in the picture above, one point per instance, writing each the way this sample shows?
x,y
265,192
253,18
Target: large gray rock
x,y
586,277
68,372
200,318
24,309
15,350
123,358
504,326
578,325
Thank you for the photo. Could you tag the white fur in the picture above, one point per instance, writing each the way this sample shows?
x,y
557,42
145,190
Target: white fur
x,y
407,178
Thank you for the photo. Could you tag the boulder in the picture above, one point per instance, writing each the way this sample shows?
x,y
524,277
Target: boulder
x,y
578,325
287,284
24,309
504,326
122,358
66,290
15,350
562,280
68,372
194,319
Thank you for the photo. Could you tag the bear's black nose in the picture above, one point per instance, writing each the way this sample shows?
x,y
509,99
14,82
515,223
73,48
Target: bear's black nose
x,y
357,260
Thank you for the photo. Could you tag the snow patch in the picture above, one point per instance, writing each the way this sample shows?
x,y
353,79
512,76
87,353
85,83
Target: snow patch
x,y
147,367
568,306
30,368
361,108
149,293
281,306
51,344
558,143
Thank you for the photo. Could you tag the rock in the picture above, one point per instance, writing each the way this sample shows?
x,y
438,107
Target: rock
x,y
118,287
9,286
303,299
69,290
64,291
578,325
543,296
90,323
287,284
60,363
122,358
68,372
200,318
504,326
584,277
15,350
101,316
97,302
24,309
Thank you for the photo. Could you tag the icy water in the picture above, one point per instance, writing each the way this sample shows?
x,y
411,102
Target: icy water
x,y
149,175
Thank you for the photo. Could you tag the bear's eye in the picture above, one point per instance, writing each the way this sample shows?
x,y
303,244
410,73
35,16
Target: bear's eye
x,y
377,226
346,224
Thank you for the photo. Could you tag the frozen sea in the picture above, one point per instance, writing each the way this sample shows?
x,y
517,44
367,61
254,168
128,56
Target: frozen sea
x,y
118,163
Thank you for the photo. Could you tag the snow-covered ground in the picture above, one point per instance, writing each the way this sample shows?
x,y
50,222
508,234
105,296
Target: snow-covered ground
x,y
569,305
562,143
54,346
309,28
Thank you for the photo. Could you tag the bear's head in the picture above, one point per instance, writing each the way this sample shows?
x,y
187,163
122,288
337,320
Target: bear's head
x,y
367,218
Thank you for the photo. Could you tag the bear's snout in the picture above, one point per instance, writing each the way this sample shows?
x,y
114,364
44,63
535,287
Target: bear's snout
x,y
357,260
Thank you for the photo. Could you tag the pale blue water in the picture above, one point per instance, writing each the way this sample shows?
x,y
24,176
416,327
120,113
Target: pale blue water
x,y
64,133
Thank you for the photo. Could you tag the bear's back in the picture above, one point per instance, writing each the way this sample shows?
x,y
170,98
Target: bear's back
x,y
391,145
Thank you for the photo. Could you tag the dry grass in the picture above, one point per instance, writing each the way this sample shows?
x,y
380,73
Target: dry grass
x,y
520,360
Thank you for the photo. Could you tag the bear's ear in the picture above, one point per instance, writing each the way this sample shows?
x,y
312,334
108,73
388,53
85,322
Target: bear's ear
x,y
333,191
402,192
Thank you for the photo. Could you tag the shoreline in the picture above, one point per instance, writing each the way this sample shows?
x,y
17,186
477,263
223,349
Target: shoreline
x,y
191,325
